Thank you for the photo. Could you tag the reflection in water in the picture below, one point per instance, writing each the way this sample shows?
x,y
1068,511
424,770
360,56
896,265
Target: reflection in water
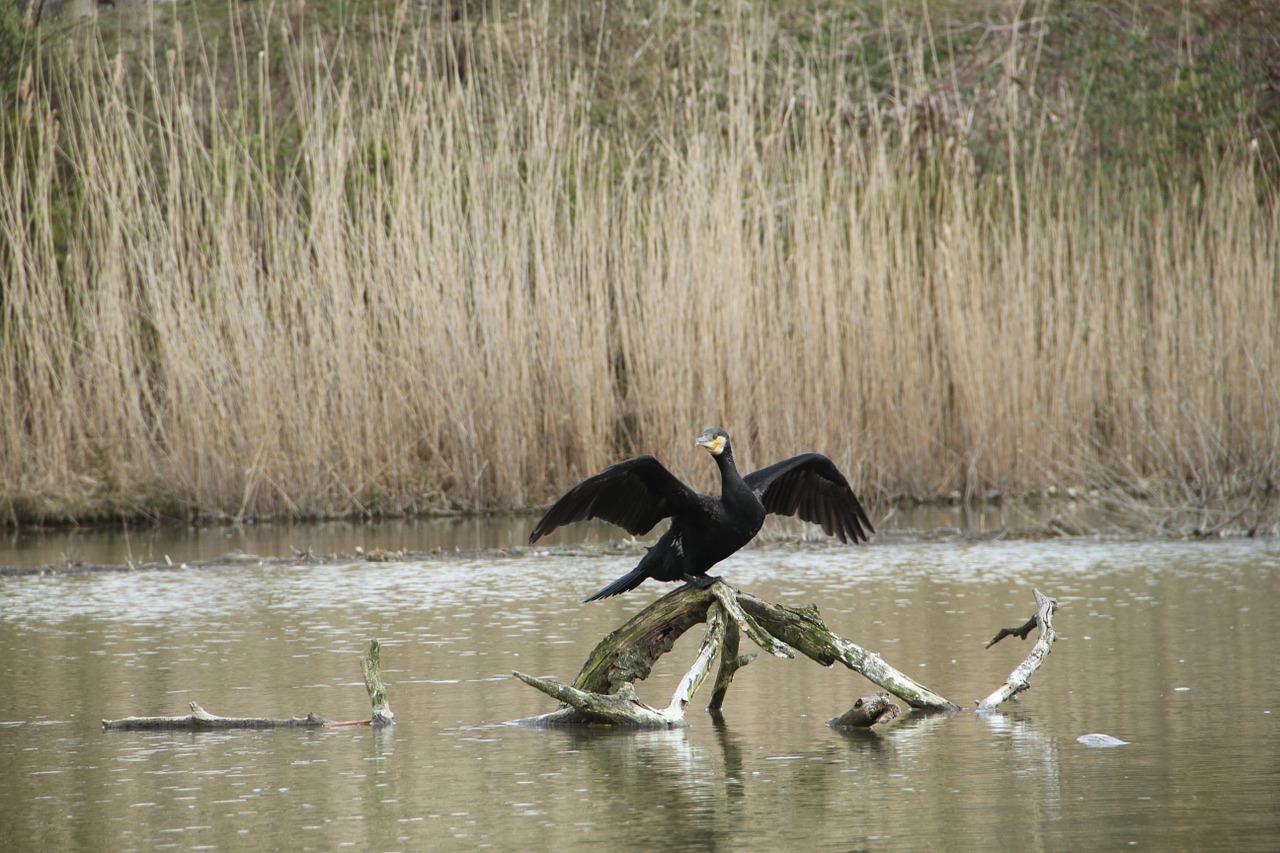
x,y
1151,633
1033,750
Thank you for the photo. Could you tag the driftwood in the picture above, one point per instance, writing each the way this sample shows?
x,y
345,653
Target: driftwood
x,y
1019,679
199,719
604,690
866,712
623,706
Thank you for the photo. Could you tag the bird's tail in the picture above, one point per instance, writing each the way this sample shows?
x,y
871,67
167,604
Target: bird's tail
x,y
627,582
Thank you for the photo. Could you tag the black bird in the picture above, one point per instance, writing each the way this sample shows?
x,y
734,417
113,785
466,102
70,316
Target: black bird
x,y
636,494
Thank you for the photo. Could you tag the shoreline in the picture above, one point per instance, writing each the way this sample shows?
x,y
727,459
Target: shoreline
x,y
625,547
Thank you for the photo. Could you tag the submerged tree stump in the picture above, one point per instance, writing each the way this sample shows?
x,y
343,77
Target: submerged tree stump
x,y
866,712
604,690
199,719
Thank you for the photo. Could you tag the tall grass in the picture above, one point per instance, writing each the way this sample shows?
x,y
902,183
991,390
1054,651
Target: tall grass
x,y
290,281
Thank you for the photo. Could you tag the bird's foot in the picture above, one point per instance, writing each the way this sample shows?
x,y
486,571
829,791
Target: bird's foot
x,y
701,581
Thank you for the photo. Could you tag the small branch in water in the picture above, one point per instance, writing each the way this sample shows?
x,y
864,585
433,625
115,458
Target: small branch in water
x,y
199,719
1020,632
1019,679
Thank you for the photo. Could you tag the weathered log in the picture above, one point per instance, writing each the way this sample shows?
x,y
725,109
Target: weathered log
x,y
866,712
199,719
623,706
371,669
730,663
802,628
627,655
1019,679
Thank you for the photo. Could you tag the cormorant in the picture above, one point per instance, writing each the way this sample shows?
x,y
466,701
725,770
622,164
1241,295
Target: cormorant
x,y
637,493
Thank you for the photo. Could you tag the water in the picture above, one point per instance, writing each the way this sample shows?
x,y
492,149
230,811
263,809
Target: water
x,y
178,543
1166,645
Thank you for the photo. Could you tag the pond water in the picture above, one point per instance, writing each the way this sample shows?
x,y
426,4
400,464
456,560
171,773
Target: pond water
x,y
1169,646
178,543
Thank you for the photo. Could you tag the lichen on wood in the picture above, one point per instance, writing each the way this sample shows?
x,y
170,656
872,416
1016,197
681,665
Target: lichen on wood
x,y
371,669
604,689
623,706
803,629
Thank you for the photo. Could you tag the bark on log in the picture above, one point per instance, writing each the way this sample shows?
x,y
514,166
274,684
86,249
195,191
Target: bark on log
x,y
371,669
1019,679
623,706
803,629
627,655
199,719
730,663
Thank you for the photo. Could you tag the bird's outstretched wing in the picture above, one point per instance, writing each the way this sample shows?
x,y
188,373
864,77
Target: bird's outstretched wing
x,y
634,494
812,488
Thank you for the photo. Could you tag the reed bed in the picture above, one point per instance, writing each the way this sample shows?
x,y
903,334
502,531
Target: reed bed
x,y
400,281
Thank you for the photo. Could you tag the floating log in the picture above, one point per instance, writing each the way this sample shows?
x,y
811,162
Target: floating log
x,y
1019,679
199,719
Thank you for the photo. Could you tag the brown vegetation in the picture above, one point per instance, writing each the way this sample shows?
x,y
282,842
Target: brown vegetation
x,y
430,275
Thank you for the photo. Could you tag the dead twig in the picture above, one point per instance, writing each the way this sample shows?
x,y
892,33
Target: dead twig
x,y
1019,679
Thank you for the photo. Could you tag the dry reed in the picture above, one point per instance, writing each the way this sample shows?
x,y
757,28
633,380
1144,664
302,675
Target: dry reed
x,y
438,290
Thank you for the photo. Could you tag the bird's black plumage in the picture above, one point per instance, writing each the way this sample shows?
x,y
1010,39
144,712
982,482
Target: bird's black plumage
x,y
637,493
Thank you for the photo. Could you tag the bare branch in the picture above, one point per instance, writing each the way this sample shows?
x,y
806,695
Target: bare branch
x,y
1020,632
1019,679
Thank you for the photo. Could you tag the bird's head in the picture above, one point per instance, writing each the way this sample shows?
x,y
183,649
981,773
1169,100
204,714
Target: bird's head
x,y
715,440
